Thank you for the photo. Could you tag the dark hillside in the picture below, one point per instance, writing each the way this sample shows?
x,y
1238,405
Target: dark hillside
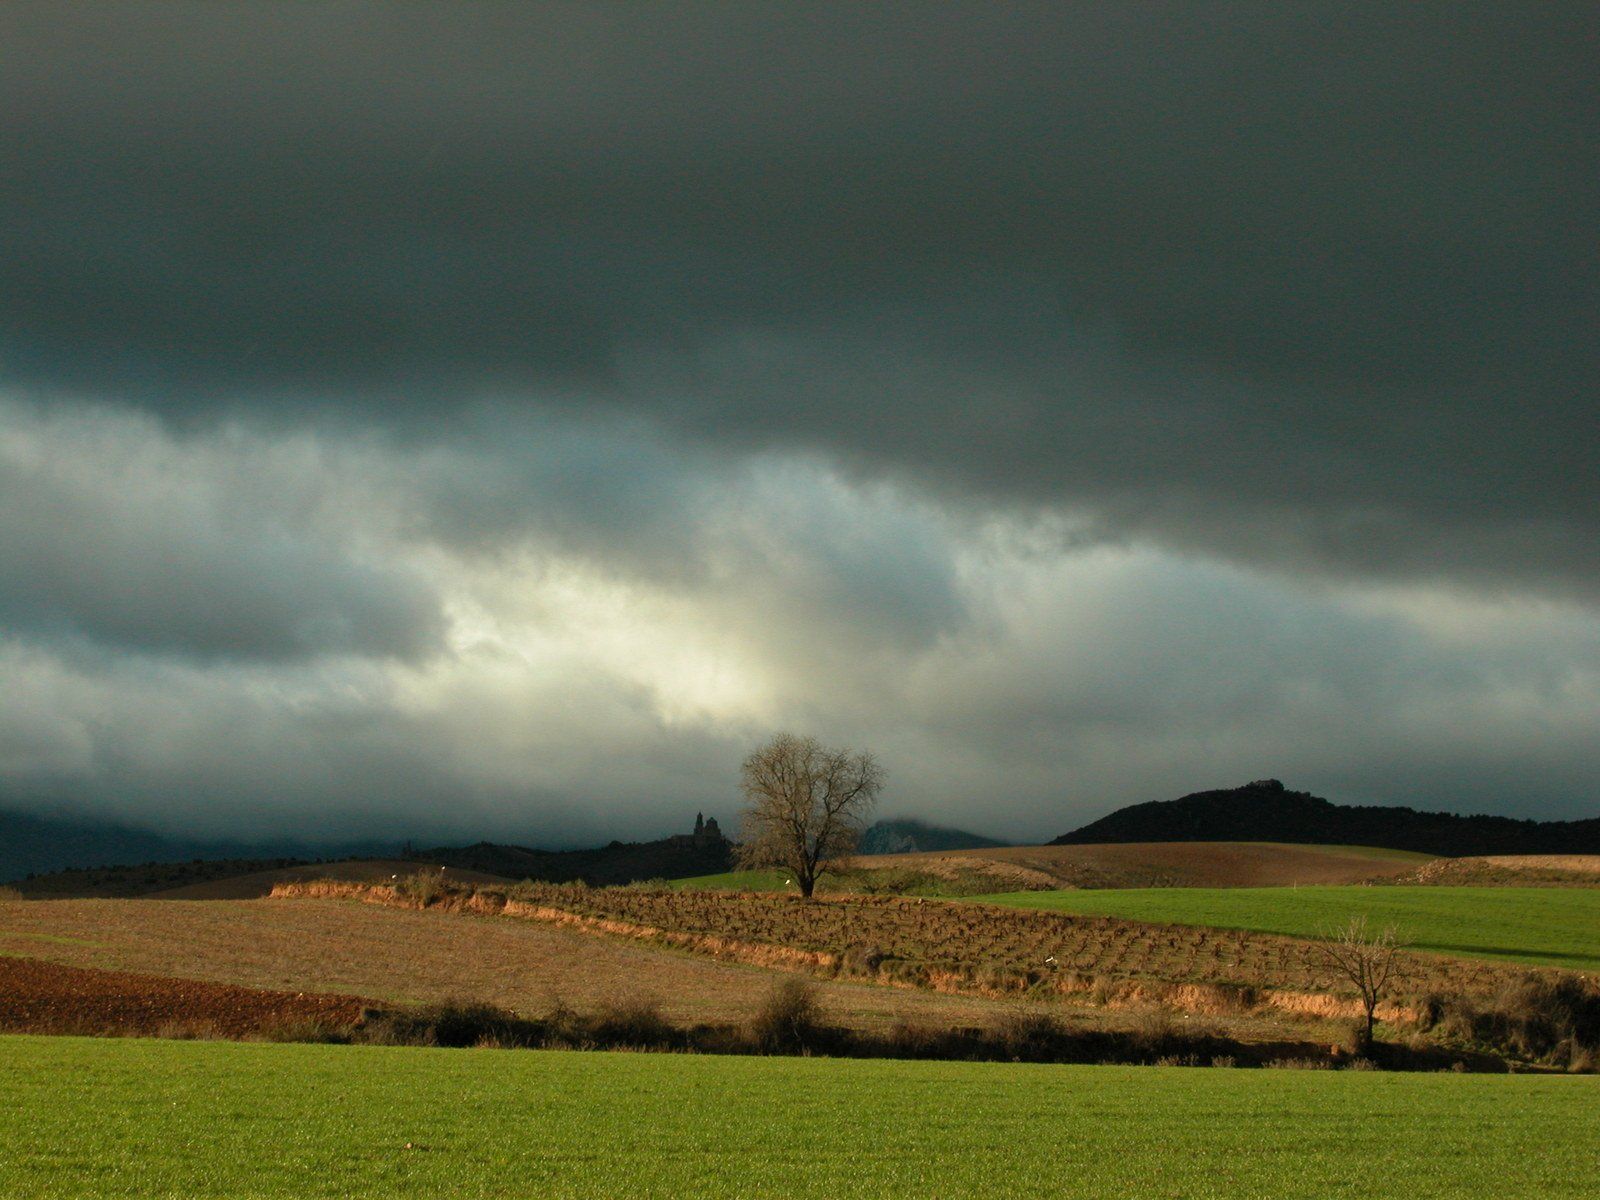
x,y
1266,811
130,861
703,852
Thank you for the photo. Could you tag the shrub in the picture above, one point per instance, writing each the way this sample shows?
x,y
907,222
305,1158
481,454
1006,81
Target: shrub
x,y
1030,1036
634,1023
908,1039
788,1019
1154,1031
187,1030
10,893
425,887
1539,1017
564,1026
304,1031
1352,1038
454,1023
862,959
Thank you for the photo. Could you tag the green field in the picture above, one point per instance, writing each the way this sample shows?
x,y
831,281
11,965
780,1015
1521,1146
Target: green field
x,y
95,1118
1547,926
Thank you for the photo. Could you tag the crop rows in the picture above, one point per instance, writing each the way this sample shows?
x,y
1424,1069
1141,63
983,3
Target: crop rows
x,y
898,939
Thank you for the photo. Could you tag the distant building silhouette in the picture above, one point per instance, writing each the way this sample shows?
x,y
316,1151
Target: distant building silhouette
x,y
707,833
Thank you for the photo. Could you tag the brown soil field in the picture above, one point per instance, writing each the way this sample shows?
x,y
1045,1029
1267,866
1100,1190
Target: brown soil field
x,y
405,956
47,997
1160,864
260,883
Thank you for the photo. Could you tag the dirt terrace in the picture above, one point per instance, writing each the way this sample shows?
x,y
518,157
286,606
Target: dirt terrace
x,y
46,997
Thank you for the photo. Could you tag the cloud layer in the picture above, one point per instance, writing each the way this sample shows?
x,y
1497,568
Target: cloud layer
x,y
495,420
601,663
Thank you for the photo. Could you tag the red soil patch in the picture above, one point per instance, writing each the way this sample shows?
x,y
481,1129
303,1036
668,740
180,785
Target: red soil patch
x,y
45,997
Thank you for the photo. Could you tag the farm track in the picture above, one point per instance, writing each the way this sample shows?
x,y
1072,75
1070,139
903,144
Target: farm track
x,y
46,997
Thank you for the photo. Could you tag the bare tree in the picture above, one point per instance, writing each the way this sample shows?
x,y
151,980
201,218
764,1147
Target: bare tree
x,y
1368,961
807,805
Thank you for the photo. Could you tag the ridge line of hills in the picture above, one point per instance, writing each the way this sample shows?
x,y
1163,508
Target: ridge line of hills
x,y
1266,811
57,855
72,855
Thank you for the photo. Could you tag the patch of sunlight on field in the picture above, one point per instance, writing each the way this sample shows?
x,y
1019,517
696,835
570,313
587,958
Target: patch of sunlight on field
x,y
1545,926
88,1118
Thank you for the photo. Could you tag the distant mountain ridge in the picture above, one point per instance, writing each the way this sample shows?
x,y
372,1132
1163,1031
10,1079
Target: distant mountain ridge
x,y
1266,811
703,852
37,845
906,835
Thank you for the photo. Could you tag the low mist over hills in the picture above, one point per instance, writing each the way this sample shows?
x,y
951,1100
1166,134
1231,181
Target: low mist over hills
x,y
1266,811
906,835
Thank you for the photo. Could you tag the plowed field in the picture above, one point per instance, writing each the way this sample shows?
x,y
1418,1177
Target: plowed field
x,y
46,997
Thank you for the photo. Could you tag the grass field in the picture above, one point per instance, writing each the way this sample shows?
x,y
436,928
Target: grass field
x,y
89,1118
1545,926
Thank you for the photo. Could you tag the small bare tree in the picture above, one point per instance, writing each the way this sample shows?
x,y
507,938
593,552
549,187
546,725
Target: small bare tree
x,y
807,805
1368,961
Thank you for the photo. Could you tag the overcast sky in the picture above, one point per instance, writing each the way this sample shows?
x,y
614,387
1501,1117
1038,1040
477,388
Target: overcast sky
x,y
493,421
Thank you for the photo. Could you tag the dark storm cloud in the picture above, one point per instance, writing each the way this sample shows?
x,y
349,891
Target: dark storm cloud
x,y
1306,284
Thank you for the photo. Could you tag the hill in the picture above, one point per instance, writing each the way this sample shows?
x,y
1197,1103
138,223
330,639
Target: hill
x,y
1267,811
35,845
703,852
906,835
63,858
